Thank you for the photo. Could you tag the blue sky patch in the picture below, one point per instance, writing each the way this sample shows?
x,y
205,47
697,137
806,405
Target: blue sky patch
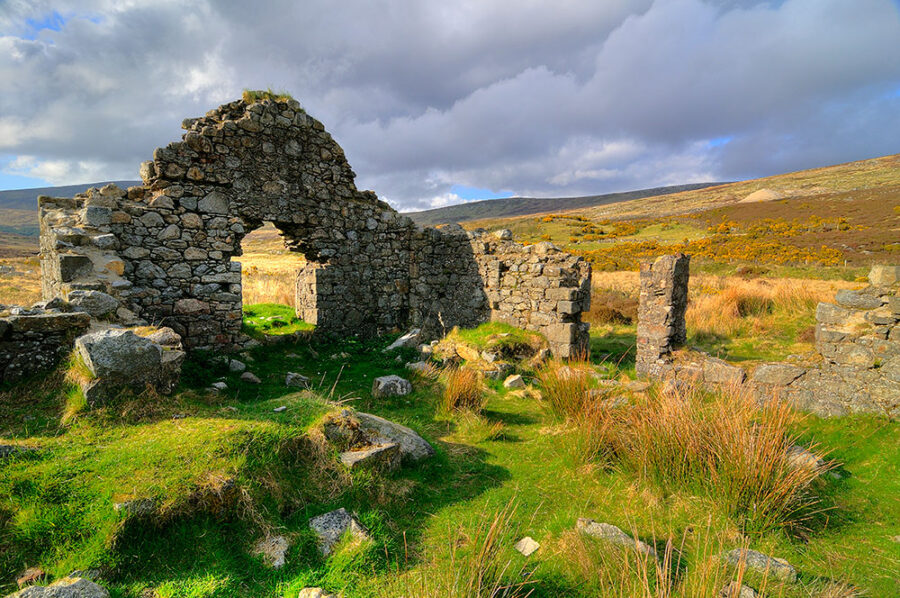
x,y
465,192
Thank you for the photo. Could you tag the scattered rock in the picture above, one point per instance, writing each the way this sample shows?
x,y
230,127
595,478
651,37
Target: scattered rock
x,y
273,550
219,386
236,366
281,409
527,546
736,590
139,507
410,339
504,234
250,378
9,450
314,593
96,303
802,458
382,457
611,533
422,367
295,380
331,527
67,587
390,386
763,564
513,382
30,576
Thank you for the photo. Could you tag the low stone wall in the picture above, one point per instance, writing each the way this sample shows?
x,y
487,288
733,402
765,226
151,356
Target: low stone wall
x,y
36,340
165,249
856,368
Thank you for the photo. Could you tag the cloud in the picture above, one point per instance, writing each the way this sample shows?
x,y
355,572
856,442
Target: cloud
x,y
548,99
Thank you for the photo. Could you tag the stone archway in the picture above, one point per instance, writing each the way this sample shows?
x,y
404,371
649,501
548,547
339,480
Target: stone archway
x,y
370,269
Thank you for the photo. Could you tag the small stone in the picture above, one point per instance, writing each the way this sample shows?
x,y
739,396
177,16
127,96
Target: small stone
x,y
504,234
527,546
280,409
391,386
515,381
67,587
250,378
331,527
422,367
219,386
314,593
273,550
236,366
295,380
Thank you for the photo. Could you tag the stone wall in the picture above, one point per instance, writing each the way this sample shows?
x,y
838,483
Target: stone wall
x,y
164,249
856,368
663,300
36,339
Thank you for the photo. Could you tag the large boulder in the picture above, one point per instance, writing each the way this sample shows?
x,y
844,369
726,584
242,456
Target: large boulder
x,y
357,430
68,587
119,358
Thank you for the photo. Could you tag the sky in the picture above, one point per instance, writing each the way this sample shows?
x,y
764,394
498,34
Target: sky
x,y
440,102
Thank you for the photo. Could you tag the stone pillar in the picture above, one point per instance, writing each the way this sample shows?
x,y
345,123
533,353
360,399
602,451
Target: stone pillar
x,y
663,300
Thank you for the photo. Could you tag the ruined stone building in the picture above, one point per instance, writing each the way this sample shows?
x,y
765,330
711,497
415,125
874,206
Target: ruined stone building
x,y
164,249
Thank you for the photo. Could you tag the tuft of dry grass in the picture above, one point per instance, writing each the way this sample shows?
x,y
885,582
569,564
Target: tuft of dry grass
x,y
566,387
463,390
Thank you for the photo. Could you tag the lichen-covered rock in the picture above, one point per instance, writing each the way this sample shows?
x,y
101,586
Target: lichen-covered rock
x,y
68,587
390,386
734,589
718,371
762,564
330,527
515,381
611,533
410,339
314,593
355,429
273,549
378,457
295,380
96,303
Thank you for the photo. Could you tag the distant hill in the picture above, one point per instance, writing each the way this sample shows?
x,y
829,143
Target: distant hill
x,y
523,206
26,199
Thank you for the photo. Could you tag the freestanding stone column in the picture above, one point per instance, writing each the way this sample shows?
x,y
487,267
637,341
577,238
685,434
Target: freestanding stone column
x,y
663,300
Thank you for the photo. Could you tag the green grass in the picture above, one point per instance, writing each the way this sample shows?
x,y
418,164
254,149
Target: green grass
x,y
272,319
56,507
497,336
255,95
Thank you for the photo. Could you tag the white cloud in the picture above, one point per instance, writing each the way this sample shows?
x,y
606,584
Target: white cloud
x,y
547,99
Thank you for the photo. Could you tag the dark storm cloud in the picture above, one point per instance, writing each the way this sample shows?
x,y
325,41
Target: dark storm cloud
x,y
539,98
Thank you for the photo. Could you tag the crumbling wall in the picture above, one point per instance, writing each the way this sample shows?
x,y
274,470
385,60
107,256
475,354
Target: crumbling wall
x,y
36,339
165,249
856,368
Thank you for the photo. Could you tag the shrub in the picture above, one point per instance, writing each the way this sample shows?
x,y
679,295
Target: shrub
x,y
462,390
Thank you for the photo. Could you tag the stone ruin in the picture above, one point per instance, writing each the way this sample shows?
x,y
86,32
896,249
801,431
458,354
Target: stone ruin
x,y
856,368
161,253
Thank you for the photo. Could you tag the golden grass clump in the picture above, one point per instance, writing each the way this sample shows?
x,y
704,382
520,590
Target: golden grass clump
x,y
566,387
463,390
721,443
